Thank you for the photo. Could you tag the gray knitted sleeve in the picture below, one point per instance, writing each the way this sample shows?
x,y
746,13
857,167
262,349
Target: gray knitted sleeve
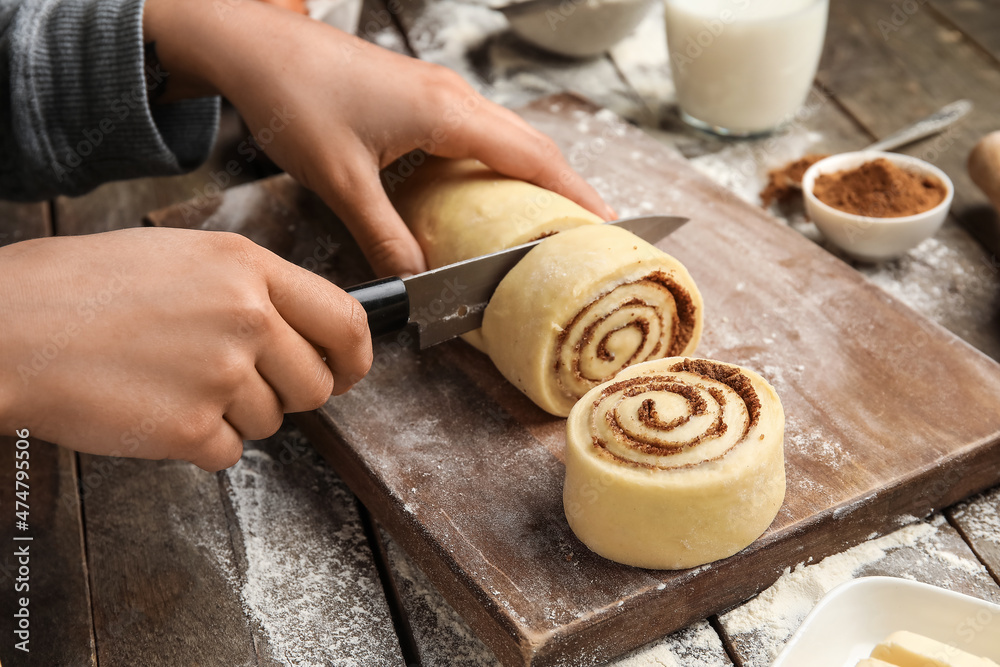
x,y
73,106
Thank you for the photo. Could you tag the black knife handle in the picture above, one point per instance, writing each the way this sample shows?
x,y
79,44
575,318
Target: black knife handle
x,y
386,302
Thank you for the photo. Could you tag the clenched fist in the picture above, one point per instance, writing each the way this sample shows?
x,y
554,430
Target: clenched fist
x,y
168,343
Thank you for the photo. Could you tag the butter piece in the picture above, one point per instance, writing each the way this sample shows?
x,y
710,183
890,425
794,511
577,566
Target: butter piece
x,y
907,649
874,662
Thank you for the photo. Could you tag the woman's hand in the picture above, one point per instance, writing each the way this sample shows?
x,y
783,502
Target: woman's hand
x,y
168,343
335,109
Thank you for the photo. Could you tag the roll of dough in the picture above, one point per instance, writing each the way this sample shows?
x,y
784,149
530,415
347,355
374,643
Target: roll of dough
x,y
460,209
583,305
675,463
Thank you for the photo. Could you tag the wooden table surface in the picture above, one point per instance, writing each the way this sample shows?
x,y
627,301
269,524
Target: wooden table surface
x,y
273,562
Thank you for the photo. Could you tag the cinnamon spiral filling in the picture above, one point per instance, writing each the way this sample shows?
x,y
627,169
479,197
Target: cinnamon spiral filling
x,y
649,318
695,413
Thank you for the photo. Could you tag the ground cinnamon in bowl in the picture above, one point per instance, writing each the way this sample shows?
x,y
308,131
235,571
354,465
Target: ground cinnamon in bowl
x,y
879,189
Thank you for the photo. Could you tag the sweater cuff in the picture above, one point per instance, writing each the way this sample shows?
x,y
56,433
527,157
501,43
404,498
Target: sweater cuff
x,y
84,113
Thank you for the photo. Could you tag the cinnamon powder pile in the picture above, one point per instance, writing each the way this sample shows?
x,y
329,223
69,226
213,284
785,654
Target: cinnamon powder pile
x,y
879,189
786,182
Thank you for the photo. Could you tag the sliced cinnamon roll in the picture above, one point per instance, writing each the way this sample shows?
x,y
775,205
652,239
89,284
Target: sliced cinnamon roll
x,y
674,463
583,305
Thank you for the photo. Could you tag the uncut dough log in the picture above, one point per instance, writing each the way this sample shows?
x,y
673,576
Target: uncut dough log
x,y
460,209
675,463
583,305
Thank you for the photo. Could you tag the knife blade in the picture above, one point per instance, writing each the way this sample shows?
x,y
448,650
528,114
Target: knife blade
x,y
450,300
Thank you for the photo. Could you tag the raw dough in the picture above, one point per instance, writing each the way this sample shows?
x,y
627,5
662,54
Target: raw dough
x,y
675,463
583,305
460,209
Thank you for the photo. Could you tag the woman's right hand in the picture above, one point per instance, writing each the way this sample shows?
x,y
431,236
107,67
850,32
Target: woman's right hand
x,y
168,343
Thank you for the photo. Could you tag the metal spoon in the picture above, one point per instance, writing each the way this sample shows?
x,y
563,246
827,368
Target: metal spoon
x,y
925,127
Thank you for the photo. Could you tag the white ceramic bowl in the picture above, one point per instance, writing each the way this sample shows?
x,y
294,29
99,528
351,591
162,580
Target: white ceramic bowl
x,y
874,239
852,618
575,28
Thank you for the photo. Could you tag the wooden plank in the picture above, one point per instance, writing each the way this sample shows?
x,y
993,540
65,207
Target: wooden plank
x,y
307,579
124,203
287,578
978,520
888,75
930,551
19,221
494,539
162,567
978,20
61,627
445,640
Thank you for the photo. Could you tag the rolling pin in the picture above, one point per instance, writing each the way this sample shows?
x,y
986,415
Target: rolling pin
x,y
984,167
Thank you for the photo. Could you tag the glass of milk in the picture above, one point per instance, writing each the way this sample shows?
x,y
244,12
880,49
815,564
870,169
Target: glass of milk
x,y
743,67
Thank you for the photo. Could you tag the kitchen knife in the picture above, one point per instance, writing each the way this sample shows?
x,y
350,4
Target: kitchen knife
x,y
450,300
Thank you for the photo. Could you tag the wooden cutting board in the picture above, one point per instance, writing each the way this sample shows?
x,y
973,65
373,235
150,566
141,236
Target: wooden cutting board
x,y
889,416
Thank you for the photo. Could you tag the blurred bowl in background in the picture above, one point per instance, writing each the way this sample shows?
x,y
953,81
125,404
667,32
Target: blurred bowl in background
x,y
575,28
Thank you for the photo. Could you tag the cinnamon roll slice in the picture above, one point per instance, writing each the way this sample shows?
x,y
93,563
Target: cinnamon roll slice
x,y
583,305
674,463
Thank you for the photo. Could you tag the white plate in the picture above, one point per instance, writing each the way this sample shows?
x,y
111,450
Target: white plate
x,y
852,618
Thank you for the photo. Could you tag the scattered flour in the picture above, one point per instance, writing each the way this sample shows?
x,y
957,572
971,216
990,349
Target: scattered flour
x,y
445,640
213,540
742,167
441,635
813,443
390,39
979,517
940,279
310,584
698,645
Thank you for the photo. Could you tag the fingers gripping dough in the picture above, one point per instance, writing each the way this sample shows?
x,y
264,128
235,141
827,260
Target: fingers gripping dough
x,y
583,305
675,463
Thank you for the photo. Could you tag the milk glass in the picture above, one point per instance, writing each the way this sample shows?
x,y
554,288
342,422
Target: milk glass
x,y
743,67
